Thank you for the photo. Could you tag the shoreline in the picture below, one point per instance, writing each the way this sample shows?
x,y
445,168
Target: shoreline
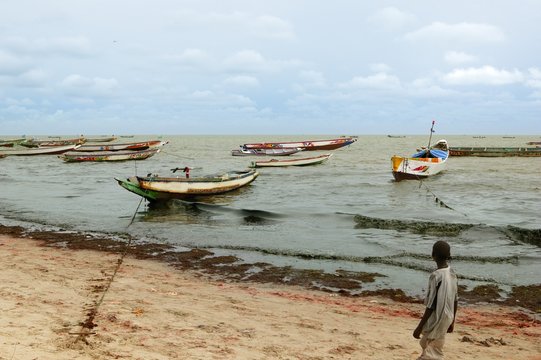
x,y
60,302
230,268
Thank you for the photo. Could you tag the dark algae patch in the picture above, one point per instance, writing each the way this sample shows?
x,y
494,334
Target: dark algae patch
x,y
231,268
416,227
482,293
529,236
526,296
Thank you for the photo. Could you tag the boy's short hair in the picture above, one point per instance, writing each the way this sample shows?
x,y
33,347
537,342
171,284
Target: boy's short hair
x,y
441,250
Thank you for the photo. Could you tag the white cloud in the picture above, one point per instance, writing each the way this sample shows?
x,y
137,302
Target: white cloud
x,y
534,79
273,27
380,68
312,78
82,86
242,80
459,58
190,58
377,81
463,32
260,26
253,61
12,65
486,75
32,78
58,46
392,18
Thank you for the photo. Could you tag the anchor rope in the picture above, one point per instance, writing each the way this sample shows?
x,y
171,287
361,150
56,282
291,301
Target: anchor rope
x,y
89,323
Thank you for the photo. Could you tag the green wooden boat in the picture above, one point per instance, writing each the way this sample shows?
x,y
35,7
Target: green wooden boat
x,y
495,151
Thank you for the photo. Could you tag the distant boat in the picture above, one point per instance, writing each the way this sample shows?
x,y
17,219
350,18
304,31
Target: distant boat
x,y
479,137
6,143
495,151
265,152
396,136
508,137
34,143
156,188
533,143
121,155
308,145
291,162
53,150
142,145
425,163
100,139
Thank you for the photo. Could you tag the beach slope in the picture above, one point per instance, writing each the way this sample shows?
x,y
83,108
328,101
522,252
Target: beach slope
x,y
58,303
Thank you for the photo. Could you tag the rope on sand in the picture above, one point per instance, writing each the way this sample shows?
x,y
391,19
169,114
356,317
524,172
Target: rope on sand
x,y
89,324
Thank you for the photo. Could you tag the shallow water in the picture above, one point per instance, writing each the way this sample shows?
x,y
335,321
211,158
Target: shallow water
x,y
345,214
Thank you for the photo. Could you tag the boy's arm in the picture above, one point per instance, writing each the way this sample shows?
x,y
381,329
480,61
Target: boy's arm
x,y
419,328
452,326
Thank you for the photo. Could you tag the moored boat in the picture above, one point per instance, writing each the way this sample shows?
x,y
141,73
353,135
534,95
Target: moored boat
x,y
6,143
291,162
495,151
34,143
52,150
121,155
309,145
142,145
425,163
100,139
157,188
265,152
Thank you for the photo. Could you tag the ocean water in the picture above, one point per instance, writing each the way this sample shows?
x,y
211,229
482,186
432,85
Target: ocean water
x,y
346,214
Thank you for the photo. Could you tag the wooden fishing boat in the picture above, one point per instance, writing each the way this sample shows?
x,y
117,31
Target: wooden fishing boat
x,y
533,143
52,150
121,155
425,163
291,162
34,143
100,139
265,152
156,188
142,145
309,145
495,151
6,143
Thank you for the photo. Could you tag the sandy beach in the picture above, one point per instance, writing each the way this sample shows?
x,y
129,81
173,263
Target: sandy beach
x,y
60,303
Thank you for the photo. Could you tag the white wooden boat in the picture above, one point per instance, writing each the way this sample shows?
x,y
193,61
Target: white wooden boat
x,y
121,155
308,145
52,150
156,188
291,162
142,145
264,152
425,163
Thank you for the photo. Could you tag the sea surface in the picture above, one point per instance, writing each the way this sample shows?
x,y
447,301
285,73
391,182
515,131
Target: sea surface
x,y
346,214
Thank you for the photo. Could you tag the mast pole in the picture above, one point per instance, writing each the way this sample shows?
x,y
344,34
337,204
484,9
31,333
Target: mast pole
x,y
431,131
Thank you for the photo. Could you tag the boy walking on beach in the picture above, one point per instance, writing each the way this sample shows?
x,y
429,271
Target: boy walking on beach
x,y
441,304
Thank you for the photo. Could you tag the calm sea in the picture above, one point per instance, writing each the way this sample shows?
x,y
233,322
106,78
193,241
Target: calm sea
x,y
347,214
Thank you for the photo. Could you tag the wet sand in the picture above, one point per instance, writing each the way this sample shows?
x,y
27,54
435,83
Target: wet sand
x,y
62,301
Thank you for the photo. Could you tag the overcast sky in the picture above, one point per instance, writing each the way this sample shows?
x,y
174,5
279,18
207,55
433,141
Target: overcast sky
x,y
270,67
